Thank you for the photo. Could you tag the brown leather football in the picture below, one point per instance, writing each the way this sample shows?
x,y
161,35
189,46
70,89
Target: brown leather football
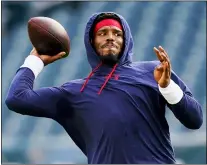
x,y
48,36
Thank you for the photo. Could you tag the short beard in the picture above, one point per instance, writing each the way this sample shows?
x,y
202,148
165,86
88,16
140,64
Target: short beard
x,y
110,59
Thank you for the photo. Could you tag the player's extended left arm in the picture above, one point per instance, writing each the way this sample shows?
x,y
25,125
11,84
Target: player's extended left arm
x,y
182,103
179,98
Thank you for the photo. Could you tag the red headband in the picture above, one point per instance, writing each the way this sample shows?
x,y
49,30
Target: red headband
x,y
107,22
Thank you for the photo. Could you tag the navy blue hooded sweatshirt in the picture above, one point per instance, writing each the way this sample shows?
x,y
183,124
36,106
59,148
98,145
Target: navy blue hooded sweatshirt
x,y
122,123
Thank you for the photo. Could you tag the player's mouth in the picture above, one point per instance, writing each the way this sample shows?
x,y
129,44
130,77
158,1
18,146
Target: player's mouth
x,y
109,46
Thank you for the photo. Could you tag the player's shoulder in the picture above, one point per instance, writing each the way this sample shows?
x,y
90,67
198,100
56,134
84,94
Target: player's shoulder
x,y
146,65
73,82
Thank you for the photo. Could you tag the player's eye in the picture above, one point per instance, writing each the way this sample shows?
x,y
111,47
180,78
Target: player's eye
x,y
101,33
118,34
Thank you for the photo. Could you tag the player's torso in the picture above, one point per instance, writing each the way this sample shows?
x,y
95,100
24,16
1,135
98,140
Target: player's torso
x,y
124,117
126,100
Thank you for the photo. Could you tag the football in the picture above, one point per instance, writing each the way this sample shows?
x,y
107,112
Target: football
x,y
48,36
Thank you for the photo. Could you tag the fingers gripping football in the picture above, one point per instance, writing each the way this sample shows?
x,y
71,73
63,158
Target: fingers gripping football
x,y
47,59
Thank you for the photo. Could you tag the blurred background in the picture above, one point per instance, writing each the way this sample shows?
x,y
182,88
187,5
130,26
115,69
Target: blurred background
x,y
180,27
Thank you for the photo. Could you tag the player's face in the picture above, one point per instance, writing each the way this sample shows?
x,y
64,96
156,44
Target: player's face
x,y
108,42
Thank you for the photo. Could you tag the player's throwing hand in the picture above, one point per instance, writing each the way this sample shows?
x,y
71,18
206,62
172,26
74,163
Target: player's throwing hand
x,y
47,59
162,72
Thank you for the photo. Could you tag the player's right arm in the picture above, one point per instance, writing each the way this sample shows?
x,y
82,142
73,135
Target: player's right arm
x,y
21,97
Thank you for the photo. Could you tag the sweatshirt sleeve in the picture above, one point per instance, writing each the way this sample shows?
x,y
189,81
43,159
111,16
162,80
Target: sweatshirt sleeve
x,y
43,102
185,107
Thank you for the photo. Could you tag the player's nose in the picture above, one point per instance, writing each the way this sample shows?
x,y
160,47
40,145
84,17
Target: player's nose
x,y
110,36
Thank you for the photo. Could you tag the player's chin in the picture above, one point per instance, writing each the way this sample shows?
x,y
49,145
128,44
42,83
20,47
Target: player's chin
x,y
113,55
109,58
110,52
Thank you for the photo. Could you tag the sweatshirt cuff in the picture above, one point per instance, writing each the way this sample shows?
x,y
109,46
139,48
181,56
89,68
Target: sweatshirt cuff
x,y
34,63
172,93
